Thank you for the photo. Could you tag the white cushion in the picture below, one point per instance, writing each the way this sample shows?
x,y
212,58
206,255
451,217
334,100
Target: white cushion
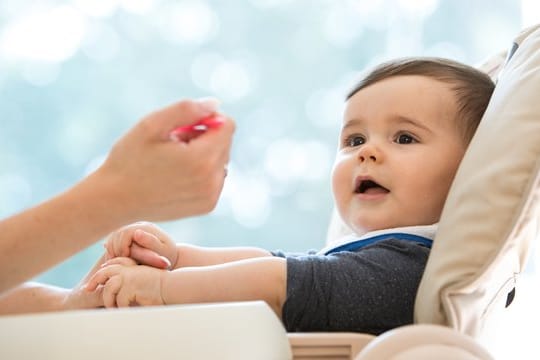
x,y
490,217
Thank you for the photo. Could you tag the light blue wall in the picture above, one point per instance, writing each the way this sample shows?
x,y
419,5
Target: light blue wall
x,y
75,76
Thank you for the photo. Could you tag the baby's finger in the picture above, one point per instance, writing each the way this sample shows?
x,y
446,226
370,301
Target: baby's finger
x,y
94,282
93,299
148,257
120,242
124,261
124,298
111,242
100,277
108,246
124,242
110,290
147,240
98,297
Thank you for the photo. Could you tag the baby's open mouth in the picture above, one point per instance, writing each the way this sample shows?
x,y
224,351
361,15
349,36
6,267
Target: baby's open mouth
x,y
370,187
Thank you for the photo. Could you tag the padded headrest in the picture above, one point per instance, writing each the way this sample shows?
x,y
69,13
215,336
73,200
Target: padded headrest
x,y
490,216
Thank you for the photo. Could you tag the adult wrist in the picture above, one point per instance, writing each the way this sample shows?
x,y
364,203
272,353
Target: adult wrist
x,y
106,191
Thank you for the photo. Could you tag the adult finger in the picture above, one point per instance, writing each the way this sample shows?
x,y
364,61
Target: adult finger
x,y
180,113
218,139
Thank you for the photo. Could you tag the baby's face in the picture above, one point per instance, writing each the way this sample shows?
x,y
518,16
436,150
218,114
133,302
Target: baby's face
x,y
399,150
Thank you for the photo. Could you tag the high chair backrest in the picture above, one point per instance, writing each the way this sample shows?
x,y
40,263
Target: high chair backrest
x,y
490,216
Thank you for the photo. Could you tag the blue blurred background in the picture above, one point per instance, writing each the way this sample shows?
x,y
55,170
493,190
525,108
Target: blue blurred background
x,y
77,74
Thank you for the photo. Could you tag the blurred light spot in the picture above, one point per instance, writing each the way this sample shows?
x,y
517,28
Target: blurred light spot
x,y
341,27
15,193
270,3
97,8
305,45
271,118
288,160
305,201
373,14
325,107
419,8
496,31
317,160
138,6
189,22
446,50
248,197
77,140
54,35
530,13
101,42
230,81
203,66
40,74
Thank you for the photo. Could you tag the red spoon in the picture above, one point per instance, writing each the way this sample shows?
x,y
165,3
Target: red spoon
x,y
188,132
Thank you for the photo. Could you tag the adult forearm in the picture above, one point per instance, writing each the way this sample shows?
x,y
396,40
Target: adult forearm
x,y
191,255
252,279
41,237
32,297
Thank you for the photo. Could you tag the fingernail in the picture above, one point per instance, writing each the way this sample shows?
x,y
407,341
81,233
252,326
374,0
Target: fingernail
x,y
208,105
167,262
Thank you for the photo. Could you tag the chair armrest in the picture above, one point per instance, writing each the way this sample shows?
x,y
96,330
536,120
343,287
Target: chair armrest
x,y
423,342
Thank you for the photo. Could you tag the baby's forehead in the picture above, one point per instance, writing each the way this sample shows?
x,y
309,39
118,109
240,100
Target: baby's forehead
x,y
406,95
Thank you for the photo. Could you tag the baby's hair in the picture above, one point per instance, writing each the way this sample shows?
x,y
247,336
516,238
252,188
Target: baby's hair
x,y
473,88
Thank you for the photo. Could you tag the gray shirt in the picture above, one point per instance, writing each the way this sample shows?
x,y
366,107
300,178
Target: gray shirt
x,y
371,289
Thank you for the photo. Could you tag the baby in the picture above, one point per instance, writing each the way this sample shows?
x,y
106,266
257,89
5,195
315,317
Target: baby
x,y
405,129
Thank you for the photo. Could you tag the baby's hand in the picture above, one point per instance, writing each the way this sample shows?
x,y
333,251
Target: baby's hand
x,y
145,243
124,283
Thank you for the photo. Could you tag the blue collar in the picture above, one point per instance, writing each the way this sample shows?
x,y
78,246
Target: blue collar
x,y
358,244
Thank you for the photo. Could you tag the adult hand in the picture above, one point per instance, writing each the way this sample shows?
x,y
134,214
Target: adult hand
x,y
154,178
146,176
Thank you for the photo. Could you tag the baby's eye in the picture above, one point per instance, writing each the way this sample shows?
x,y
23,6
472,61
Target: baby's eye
x,y
354,140
405,139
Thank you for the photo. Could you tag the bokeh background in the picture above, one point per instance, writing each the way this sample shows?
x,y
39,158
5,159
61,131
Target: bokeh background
x,y
75,75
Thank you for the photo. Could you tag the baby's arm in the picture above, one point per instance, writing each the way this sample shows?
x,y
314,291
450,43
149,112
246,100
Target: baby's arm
x,y
262,278
191,255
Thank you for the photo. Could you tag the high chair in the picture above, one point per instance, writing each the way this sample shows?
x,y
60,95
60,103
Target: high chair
x,y
488,224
